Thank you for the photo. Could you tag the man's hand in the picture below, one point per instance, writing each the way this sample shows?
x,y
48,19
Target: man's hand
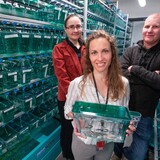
x,y
157,71
129,68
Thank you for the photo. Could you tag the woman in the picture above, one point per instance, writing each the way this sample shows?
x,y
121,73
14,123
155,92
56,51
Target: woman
x,y
101,83
67,61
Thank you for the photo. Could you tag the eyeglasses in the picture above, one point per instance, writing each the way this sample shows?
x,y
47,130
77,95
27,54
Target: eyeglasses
x,y
72,27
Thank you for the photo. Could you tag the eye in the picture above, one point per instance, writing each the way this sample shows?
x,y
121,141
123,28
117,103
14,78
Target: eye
x,y
105,51
93,53
71,27
78,26
154,27
146,27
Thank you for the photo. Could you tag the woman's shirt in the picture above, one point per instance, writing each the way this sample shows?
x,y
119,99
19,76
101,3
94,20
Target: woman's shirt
x,y
89,95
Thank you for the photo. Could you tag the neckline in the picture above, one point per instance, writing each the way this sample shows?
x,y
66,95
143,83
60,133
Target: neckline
x,y
97,93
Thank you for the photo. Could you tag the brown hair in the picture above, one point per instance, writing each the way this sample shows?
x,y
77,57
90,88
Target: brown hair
x,y
116,86
68,17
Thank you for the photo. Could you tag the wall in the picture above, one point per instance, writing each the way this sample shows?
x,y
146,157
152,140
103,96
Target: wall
x,y
137,31
132,8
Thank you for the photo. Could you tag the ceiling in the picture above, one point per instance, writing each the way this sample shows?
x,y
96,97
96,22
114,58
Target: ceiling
x,y
136,12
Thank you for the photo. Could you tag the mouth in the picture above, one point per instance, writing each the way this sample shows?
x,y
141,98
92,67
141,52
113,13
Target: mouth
x,y
100,64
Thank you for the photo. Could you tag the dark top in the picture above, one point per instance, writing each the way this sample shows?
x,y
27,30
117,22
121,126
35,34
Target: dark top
x,y
77,51
144,82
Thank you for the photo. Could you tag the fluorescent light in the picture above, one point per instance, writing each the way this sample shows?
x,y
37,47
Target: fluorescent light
x,y
142,3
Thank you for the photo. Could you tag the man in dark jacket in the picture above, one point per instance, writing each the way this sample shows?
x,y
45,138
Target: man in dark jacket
x,y
141,65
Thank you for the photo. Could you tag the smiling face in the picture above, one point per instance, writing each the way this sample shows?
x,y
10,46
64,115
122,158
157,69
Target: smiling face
x,y
100,54
151,31
73,28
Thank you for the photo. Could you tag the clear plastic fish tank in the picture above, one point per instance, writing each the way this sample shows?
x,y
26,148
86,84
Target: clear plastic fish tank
x,y
7,109
8,136
31,120
20,127
101,122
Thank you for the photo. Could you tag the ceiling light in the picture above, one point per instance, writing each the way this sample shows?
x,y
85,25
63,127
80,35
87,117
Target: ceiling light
x,y
142,3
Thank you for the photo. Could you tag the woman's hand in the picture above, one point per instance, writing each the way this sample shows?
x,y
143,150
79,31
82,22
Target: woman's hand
x,y
75,130
130,129
70,115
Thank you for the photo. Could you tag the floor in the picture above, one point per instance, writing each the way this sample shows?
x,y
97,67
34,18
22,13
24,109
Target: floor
x,y
60,157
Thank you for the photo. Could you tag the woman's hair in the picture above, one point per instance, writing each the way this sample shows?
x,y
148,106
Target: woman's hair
x,y
116,86
68,17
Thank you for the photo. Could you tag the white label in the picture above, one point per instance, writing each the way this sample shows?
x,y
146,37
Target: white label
x,y
6,110
56,8
11,74
59,13
27,70
24,78
46,69
47,37
25,36
29,100
15,78
37,36
23,131
64,11
54,87
1,76
11,36
37,124
47,90
39,95
44,118
12,139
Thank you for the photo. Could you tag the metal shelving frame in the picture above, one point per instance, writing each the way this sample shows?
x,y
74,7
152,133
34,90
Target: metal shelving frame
x,y
156,133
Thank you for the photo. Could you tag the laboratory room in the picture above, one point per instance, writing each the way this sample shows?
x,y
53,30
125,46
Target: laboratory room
x,y
79,80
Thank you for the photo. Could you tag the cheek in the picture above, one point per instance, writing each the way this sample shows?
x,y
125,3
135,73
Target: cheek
x,y
158,35
91,59
109,60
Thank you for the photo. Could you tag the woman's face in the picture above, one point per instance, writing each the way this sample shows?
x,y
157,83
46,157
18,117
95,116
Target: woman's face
x,y
73,28
100,54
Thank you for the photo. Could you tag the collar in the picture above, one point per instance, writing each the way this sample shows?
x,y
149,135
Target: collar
x,y
72,45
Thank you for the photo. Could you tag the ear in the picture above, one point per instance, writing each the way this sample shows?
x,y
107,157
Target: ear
x,y
65,30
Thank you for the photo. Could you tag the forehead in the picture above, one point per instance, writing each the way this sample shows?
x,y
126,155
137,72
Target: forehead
x,y
73,20
152,20
99,43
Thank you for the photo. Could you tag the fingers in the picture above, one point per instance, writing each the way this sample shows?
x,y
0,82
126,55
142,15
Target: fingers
x,y
130,129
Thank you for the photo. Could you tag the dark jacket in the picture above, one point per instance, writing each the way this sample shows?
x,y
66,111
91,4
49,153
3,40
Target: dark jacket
x,y
144,82
66,66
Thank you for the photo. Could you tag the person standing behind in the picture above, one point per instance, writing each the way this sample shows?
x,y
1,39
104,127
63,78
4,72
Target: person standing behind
x,y
101,83
141,65
67,61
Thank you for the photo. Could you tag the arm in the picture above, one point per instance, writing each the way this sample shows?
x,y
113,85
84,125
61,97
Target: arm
x,y
72,96
138,74
60,68
150,78
125,62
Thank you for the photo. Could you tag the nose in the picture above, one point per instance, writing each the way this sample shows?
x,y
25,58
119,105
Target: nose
x,y
75,28
150,29
99,56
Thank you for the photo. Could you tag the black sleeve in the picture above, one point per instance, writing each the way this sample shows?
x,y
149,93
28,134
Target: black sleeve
x,y
125,62
150,78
